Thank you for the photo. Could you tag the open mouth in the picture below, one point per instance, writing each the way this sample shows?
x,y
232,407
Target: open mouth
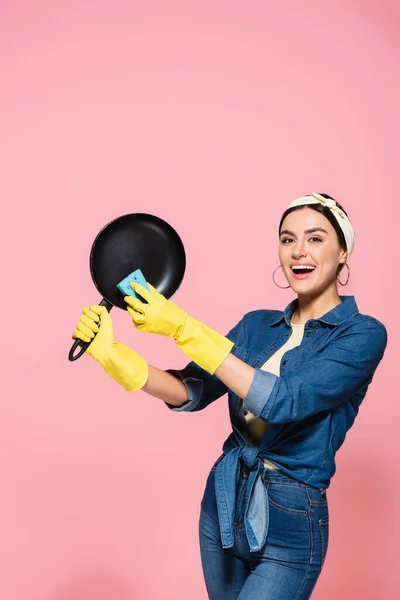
x,y
302,271
302,268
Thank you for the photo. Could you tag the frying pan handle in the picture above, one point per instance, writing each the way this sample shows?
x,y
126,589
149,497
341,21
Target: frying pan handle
x,y
85,345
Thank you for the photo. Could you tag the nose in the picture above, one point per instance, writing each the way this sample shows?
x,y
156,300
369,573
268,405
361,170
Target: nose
x,y
298,249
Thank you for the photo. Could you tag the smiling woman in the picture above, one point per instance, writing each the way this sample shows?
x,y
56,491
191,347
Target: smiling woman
x,y
316,239
330,209
295,381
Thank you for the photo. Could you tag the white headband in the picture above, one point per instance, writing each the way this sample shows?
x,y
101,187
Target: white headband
x,y
340,216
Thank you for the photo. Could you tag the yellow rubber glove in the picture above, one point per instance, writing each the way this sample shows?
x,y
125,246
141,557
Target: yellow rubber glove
x,y
203,345
123,364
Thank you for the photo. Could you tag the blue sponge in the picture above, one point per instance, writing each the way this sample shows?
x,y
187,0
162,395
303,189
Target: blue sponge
x,y
126,289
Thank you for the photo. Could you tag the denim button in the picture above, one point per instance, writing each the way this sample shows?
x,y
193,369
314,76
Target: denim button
x,y
307,335
311,324
284,362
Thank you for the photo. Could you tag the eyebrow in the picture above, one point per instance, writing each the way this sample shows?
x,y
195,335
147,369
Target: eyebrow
x,y
313,230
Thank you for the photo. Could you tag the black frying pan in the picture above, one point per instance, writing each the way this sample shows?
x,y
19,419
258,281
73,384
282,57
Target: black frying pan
x,y
134,241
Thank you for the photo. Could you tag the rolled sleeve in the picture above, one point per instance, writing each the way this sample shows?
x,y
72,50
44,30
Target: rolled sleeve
x,y
345,368
202,388
259,400
194,389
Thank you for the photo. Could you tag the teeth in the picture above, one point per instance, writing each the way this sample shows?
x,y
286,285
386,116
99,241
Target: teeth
x,y
309,267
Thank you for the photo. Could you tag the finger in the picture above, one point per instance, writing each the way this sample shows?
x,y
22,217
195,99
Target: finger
x,y
90,314
90,323
155,292
101,311
97,309
142,291
138,318
80,336
136,304
85,330
152,288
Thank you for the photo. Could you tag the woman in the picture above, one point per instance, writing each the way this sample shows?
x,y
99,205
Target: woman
x,y
295,381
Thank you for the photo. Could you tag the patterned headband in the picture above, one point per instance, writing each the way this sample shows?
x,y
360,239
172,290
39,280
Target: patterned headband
x,y
340,216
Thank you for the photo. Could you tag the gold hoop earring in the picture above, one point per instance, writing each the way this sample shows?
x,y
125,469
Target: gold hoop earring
x,y
348,276
282,287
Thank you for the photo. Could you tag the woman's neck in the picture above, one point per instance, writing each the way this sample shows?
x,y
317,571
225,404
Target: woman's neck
x,y
314,307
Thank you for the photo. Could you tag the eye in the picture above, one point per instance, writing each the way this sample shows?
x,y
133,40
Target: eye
x,y
315,238
284,240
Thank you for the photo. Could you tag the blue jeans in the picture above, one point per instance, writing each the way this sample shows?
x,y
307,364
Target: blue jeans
x,y
290,562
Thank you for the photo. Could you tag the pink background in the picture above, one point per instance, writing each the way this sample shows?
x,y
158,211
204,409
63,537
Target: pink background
x,y
213,116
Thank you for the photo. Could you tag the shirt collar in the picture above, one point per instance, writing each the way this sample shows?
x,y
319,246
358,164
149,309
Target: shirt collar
x,y
348,308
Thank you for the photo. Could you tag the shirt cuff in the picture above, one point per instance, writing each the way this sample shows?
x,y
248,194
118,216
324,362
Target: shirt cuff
x,y
194,389
259,399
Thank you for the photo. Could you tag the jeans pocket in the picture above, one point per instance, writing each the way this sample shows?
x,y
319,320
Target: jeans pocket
x,y
324,536
290,498
289,532
317,496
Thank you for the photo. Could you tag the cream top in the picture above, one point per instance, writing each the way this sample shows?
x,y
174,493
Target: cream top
x,y
257,427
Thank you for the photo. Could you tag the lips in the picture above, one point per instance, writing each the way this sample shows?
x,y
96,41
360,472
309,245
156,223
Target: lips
x,y
302,270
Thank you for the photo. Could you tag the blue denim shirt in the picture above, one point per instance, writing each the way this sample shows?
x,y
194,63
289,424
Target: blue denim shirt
x,y
310,406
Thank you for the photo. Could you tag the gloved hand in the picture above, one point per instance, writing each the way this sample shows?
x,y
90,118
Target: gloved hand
x,y
203,345
122,363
